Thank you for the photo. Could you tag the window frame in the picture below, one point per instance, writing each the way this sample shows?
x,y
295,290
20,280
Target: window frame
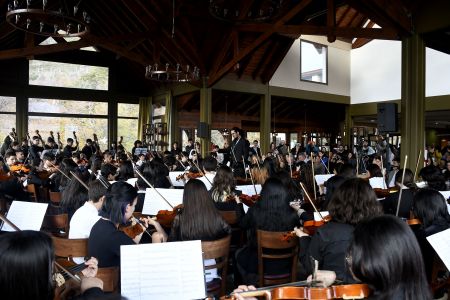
x,y
326,62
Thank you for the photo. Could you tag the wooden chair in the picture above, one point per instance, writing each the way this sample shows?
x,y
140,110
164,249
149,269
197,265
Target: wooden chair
x,y
31,188
70,248
217,250
274,246
57,225
110,278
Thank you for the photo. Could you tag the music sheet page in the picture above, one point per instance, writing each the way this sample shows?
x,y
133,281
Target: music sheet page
x,y
26,215
162,271
441,244
153,202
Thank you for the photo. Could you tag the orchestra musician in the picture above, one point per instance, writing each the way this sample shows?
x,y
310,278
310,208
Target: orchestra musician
x,y
409,188
353,201
209,171
70,148
238,153
224,187
27,260
270,213
89,149
255,150
74,194
36,149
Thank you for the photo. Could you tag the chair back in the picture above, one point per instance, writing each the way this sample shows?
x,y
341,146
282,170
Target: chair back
x,y
57,225
31,188
217,250
275,246
110,278
55,197
69,248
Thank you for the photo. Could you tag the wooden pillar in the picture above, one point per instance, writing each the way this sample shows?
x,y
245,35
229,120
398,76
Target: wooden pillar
x,y
205,114
169,119
347,130
264,121
22,101
112,121
413,99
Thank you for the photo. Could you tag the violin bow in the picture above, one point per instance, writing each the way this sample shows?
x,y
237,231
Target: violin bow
x,y
417,164
357,164
151,186
290,163
312,203
313,179
201,172
401,187
52,165
243,162
251,176
266,290
79,180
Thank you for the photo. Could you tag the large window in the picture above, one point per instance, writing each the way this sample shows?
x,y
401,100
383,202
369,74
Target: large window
x,y
127,123
58,74
66,116
313,62
7,116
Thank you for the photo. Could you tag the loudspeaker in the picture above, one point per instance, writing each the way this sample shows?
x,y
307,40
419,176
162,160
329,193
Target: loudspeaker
x,y
203,130
387,117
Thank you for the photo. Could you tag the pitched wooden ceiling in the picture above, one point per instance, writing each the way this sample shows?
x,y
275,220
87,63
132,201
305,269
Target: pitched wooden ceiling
x,y
140,31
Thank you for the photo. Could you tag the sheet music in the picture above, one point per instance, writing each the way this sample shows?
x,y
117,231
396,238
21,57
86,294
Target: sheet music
x,y
317,216
249,189
320,179
441,244
446,195
154,203
26,215
132,181
139,151
377,183
162,271
173,176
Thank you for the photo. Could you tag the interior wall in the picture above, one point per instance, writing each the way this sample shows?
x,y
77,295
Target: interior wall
x,y
376,72
288,73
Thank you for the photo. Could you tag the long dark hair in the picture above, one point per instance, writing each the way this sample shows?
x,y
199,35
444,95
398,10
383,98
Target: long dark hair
x,y
75,194
434,178
353,201
430,207
118,196
272,212
224,182
126,171
26,265
386,255
199,218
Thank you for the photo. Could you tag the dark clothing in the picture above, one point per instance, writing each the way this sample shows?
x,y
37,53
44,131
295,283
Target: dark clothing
x,y
88,151
332,185
390,203
428,252
188,148
253,151
13,189
35,154
328,246
238,155
104,243
175,234
67,153
92,294
140,202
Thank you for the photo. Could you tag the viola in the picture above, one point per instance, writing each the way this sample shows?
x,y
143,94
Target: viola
x,y
347,291
166,217
19,167
310,227
249,200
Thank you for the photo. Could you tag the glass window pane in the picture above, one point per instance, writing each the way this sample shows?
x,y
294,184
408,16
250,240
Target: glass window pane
x,y
7,122
58,74
7,104
128,110
84,127
67,107
128,128
252,135
313,62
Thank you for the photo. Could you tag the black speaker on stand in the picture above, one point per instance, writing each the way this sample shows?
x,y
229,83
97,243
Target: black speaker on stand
x,y
387,117
203,130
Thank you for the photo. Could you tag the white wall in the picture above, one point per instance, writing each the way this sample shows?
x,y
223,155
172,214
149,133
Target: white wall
x,y
288,73
376,72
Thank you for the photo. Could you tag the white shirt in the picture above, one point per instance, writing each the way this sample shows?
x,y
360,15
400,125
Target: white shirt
x,y
82,221
206,182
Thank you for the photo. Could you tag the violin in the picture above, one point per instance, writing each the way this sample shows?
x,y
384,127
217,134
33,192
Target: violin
x,y
134,229
383,193
346,291
190,175
166,217
311,226
249,200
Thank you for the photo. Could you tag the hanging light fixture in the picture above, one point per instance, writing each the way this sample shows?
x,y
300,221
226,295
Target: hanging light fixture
x,y
37,19
262,11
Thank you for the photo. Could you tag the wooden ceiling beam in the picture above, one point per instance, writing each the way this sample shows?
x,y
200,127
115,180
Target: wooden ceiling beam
x,y
267,57
359,42
276,60
6,30
263,37
252,107
222,51
41,50
347,32
331,20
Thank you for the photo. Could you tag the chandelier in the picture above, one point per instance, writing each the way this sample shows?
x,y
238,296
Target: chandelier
x,y
223,10
36,18
170,73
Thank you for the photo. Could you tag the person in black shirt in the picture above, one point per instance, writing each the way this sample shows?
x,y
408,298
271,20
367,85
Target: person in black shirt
x,y
239,152
35,151
89,149
69,148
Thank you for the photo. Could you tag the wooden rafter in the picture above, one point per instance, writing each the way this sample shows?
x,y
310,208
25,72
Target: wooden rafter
x,y
263,37
372,33
331,20
267,56
222,51
40,50
359,42
276,61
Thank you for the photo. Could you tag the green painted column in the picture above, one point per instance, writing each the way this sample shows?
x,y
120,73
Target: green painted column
x,y
205,114
264,121
347,130
413,99
169,120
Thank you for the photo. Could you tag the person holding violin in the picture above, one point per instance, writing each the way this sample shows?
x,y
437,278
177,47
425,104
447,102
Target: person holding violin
x,y
430,208
105,238
36,149
353,201
270,213
224,189
408,189
27,259
70,148
75,194
209,165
